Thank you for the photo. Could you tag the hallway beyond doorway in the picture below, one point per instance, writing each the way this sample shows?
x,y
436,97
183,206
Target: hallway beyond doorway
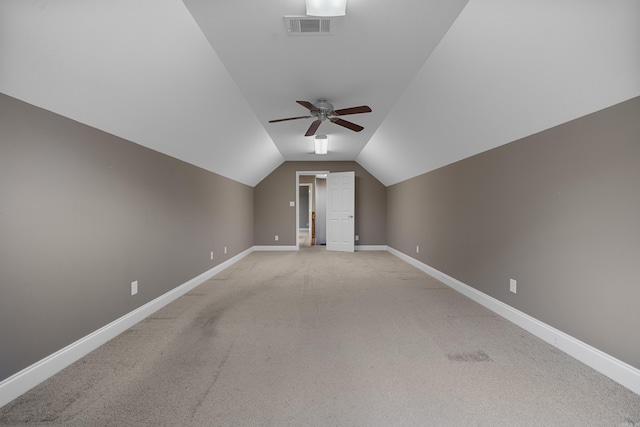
x,y
304,237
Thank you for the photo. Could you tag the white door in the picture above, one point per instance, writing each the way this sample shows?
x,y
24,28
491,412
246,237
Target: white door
x,y
340,211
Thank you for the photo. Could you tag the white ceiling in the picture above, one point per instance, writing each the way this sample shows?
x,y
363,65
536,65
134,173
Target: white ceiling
x,y
200,80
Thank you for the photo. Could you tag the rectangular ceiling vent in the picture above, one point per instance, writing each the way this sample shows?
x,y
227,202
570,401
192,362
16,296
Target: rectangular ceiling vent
x,y
307,25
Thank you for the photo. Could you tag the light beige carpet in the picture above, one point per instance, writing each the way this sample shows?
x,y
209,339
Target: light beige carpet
x,y
315,338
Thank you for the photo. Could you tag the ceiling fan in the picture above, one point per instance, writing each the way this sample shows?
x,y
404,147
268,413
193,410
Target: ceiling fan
x,y
322,111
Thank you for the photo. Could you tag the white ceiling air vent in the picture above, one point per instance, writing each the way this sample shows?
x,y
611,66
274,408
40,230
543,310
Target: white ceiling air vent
x,y
307,25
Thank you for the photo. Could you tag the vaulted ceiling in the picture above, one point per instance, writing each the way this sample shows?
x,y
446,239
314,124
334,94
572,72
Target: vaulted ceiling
x,y
199,80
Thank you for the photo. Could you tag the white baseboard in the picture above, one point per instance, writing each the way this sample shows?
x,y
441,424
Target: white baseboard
x,y
294,248
617,370
33,375
274,248
371,247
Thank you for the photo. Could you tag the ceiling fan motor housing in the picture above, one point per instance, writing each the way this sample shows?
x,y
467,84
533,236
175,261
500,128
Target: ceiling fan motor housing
x,y
324,109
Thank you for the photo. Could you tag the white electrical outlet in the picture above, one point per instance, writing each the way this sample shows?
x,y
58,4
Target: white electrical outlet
x,y
211,254
417,249
276,237
225,250
357,237
513,285
134,287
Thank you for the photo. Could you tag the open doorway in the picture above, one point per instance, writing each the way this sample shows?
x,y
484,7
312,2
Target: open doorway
x,y
306,214
311,211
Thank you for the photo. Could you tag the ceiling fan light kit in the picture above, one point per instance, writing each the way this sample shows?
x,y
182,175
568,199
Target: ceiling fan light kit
x,y
321,144
322,110
326,7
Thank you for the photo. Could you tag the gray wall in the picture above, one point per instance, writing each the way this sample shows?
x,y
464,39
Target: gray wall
x,y
558,211
304,199
83,214
273,215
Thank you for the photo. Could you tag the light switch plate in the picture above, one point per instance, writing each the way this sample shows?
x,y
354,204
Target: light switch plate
x,y
292,203
134,287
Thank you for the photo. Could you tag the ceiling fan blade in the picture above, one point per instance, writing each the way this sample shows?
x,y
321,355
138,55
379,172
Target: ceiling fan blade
x,y
354,127
352,110
290,118
308,105
313,128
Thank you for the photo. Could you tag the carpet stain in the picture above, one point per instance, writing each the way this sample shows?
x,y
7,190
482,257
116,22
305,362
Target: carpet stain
x,y
209,390
478,356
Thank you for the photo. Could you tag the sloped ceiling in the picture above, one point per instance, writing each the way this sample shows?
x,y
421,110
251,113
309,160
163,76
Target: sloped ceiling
x,y
200,80
141,70
505,70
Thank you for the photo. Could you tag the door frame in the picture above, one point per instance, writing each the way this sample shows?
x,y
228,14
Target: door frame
x,y
297,224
